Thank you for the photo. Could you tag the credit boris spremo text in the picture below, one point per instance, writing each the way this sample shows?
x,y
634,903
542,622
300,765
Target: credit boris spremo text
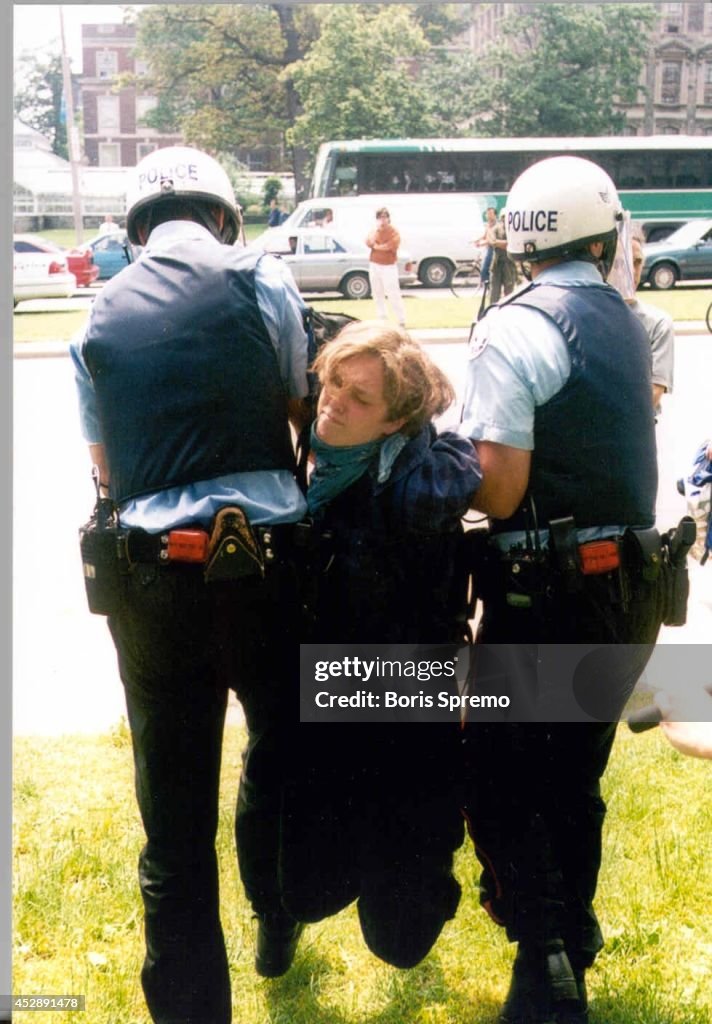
x,y
392,699
423,671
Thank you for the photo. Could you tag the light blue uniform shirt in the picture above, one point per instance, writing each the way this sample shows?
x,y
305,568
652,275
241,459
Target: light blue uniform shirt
x,y
267,496
518,360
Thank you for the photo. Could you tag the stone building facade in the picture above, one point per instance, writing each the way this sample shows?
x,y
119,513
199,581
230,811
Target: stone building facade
x,y
675,97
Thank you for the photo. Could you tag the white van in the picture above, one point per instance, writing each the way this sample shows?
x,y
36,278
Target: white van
x,y
438,230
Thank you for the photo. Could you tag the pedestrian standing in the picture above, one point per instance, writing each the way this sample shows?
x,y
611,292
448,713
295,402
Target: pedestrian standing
x,y
276,215
191,367
558,405
660,329
108,226
503,273
488,240
383,242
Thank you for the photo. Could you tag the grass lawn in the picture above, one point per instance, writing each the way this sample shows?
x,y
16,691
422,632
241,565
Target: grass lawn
x,y
446,311
78,917
66,237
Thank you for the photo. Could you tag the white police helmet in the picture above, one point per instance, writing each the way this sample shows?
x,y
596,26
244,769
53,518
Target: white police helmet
x,y
181,172
557,206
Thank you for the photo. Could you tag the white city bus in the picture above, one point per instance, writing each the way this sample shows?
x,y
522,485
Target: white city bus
x,y
663,179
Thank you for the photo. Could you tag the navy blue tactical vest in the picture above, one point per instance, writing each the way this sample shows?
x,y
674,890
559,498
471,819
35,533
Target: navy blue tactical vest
x,y
186,377
594,442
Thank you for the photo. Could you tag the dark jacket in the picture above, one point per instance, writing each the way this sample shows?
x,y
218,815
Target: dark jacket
x,y
395,575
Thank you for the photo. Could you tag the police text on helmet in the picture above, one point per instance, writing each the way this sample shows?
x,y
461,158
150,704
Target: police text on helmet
x,y
154,174
532,220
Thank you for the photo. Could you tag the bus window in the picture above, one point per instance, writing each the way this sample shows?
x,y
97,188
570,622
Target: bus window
x,y
410,171
381,172
345,178
629,170
687,171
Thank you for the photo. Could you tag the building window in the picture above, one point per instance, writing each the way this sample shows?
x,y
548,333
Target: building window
x,y
695,17
707,129
672,74
672,17
107,63
107,113
707,94
109,154
144,148
670,129
141,67
144,104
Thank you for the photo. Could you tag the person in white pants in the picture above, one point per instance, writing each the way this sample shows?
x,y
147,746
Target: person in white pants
x,y
383,242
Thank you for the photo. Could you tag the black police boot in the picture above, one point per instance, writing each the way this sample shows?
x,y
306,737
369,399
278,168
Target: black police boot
x,y
277,940
543,986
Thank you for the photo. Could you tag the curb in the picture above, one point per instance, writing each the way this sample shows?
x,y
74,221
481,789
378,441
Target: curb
x,y
40,349
427,336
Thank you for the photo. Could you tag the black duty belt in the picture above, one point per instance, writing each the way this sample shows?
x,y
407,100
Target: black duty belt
x,y
190,544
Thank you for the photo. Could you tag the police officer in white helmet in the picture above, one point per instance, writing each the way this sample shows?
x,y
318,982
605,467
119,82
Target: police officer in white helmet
x,y
558,406
192,365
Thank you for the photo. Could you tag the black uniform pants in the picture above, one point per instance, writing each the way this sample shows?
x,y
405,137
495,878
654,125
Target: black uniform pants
x,y
534,804
372,813
181,645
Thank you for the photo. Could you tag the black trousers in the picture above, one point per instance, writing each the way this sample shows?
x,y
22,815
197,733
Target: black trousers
x,y
533,803
181,645
372,813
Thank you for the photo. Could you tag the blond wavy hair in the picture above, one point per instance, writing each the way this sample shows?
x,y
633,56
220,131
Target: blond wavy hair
x,y
415,389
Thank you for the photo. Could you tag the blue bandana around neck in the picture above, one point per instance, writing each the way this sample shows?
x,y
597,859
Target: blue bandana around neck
x,y
337,468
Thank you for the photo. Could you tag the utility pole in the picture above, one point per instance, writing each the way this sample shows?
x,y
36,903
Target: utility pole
x,y
72,135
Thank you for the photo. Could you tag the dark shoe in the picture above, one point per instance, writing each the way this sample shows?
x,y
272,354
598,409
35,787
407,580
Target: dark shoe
x,y
277,940
543,986
576,1014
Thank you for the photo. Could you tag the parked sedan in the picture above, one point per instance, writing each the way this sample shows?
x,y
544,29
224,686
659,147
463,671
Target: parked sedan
x,y
111,254
79,259
41,275
685,255
322,261
656,230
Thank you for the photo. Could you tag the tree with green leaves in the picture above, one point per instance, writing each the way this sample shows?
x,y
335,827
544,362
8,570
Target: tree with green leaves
x,y
38,102
217,70
558,69
441,23
358,80
450,84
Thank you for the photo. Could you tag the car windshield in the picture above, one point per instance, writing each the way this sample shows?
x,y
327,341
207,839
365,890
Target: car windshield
x,y
35,245
109,243
687,235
